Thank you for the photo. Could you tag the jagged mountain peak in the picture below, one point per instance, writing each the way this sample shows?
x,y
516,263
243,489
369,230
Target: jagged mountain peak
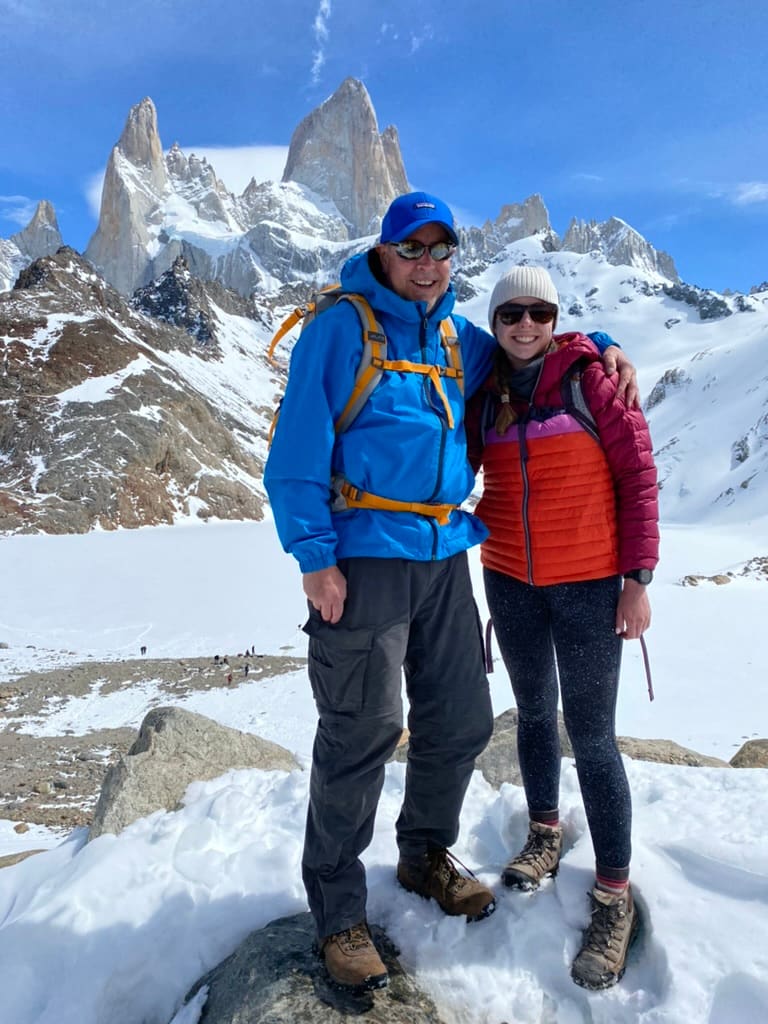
x,y
66,283
140,139
338,152
41,236
179,298
621,245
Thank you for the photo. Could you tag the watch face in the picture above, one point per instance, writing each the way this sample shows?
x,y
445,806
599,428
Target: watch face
x,y
641,575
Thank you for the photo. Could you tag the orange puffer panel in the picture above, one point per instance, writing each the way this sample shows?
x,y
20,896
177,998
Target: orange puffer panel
x,y
549,502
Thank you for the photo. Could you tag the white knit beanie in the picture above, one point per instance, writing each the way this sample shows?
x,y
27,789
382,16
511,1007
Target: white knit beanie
x,y
519,282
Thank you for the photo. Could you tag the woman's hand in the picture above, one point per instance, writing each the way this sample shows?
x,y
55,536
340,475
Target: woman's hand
x,y
633,613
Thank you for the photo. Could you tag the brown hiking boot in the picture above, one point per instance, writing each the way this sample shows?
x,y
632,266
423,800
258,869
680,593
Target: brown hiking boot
x,y
602,958
435,876
539,857
352,960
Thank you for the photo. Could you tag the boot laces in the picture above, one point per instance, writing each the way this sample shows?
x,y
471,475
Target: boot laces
x,y
443,864
604,935
537,845
356,937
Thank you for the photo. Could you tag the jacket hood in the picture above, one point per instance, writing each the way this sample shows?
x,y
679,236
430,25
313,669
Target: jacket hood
x,y
358,275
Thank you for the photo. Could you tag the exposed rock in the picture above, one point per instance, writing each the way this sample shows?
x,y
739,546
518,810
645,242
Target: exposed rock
x,y
134,184
620,244
145,444
10,859
41,237
693,580
80,763
515,221
666,752
672,380
753,754
174,748
338,152
743,305
274,977
178,298
709,305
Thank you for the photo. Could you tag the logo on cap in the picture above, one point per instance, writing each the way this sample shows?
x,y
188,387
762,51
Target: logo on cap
x,y
424,206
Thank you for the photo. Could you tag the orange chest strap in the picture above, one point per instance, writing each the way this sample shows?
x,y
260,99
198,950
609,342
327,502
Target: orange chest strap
x,y
346,495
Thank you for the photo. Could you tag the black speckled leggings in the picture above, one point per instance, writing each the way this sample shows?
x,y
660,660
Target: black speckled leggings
x,y
573,623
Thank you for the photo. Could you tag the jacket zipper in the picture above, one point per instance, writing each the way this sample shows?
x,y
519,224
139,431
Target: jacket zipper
x,y
443,431
523,447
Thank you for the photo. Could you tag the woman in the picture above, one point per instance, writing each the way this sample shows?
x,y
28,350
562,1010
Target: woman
x,y
570,499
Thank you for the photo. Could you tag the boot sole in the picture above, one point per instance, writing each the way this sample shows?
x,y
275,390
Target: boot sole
x,y
517,880
371,984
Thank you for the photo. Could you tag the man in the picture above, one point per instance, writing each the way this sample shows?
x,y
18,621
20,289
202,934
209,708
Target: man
x,y
388,585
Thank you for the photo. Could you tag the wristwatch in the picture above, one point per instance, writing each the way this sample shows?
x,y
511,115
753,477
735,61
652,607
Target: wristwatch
x,y
643,576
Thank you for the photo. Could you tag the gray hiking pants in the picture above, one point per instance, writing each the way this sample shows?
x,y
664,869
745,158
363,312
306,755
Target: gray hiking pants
x,y
419,617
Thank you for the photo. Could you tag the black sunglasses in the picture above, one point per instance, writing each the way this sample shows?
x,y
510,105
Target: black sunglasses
x,y
413,250
514,312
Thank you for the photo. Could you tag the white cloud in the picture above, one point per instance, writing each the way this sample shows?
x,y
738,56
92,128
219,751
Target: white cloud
x,y
428,33
320,28
93,186
751,192
17,209
586,176
236,165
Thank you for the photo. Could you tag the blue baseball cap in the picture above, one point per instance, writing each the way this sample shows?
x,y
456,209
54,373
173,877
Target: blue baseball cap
x,y
410,212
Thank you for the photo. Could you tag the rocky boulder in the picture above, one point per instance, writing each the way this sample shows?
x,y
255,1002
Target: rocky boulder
x,y
174,748
753,754
274,977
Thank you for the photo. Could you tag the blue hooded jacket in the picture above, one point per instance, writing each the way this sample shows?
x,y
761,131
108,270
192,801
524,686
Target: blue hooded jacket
x,y
400,446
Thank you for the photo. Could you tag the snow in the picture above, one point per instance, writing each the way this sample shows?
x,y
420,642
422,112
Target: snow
x,y
118,930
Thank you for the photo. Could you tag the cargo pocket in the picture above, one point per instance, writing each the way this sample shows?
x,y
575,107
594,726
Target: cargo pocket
x,y
338,664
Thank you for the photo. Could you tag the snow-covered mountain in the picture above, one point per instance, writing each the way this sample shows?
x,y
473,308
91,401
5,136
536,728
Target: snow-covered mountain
x,y
340,175
134,385
701,361
111,417
41,237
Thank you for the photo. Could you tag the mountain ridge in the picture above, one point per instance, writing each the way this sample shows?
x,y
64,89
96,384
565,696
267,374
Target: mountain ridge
x,y
123,406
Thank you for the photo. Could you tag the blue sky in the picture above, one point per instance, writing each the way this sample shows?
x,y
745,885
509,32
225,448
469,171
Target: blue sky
x,y
655,112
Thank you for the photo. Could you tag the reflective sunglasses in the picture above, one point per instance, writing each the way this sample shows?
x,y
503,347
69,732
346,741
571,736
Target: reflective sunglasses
x,y
513,313
413,250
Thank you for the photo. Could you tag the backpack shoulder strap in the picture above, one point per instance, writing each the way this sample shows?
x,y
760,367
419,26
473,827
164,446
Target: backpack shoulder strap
x,y
450,342
573,398
371,367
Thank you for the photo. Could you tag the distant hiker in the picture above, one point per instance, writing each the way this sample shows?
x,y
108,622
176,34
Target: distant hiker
x,y
246,668
216,659
229,678
143,649
571,501
388,583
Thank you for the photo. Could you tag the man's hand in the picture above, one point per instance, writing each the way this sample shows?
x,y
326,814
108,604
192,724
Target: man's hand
x,y
327,592
616,361
633,614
